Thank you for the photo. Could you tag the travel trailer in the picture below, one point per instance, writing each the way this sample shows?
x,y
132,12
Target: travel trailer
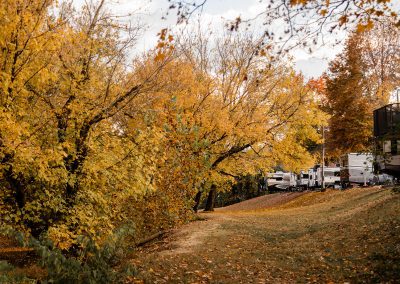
x,y
311,177
303,180
274,179
307,179
356,168
387,139
281,181
331,177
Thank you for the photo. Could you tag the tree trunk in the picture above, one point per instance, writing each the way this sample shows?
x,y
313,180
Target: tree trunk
x,y
17,185
211,199
197,201
75,166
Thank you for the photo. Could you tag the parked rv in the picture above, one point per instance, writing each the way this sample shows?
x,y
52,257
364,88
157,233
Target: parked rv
x,y
356,168
281,181
331,177
387,139
274,179
312,177
291,181
303,180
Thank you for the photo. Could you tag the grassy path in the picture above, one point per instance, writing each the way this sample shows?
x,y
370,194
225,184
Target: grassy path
x,y
335,236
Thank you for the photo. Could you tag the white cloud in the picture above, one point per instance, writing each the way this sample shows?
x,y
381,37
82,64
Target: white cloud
x,y
214,15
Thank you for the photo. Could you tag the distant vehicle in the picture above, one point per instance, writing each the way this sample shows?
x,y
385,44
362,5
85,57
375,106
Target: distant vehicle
x,y
356,168
381,179
306,179
303,180
312,177
274,180
387,139
281,181
331,177
290,181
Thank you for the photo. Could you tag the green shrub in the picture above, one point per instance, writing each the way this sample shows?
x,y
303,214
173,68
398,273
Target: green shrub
x,y
89,263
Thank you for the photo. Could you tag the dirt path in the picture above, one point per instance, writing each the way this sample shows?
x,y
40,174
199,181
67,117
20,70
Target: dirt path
x,y
316,237
189,237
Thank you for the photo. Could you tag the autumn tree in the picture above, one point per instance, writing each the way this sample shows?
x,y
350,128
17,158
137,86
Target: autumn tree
x,y
89,140
178,117
350,124
65,162
380,52
254,105
360,80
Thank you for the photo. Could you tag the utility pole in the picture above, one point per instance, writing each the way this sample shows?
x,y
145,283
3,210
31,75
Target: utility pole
x,y
323,159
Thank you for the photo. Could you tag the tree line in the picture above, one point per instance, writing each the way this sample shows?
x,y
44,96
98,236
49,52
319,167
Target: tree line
x,y
92,137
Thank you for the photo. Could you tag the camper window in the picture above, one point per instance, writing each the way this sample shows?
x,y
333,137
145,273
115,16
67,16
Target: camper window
x,y
394,147
387,146
332,174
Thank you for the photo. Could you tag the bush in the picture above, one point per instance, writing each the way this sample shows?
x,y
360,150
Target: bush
x,y
89,263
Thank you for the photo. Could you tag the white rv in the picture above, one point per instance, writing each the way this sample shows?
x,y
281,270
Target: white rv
x,y
356,168
281,180
387,139
331,177
303,179
311,177
290,180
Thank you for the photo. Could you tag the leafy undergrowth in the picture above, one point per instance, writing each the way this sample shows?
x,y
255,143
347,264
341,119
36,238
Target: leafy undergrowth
x,y
332,236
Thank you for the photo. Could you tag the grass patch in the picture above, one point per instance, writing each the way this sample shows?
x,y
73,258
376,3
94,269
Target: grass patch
x,y
338,236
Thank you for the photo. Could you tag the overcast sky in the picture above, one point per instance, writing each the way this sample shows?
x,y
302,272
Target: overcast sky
x,y
214,14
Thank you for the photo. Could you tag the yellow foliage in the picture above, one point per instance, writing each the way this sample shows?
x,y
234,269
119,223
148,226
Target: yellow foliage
x,y
86,143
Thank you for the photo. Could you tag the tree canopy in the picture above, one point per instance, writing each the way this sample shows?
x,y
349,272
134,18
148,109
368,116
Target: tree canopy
x,y
91,137
360,80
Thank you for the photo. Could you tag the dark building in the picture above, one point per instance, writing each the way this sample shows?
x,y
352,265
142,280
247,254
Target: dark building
x,y
387,139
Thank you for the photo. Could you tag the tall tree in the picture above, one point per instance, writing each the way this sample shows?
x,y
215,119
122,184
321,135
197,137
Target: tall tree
x,y
64,82
350,123
359,80
380,52
88,140
255,106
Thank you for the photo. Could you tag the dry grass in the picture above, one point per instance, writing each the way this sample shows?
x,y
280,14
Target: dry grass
x,y
318,237
332,236
263,202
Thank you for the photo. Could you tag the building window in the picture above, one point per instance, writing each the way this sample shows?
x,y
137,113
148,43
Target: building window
x,y
387,146
394,147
